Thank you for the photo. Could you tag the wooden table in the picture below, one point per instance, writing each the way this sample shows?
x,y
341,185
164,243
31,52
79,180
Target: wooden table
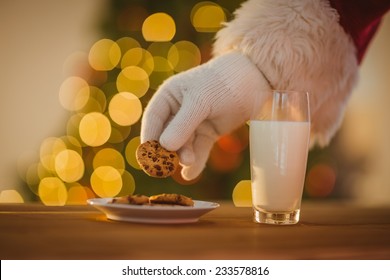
x,y
328,230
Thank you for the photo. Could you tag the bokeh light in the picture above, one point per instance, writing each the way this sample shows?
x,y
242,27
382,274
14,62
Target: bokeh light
x,y
109,157
184,55
125,108
119,133
69,166
207,16
131,147
158,27
127,43
106,181
32,177
104,55
95,129
78,194
226,156
106,91
128,184
133,79
10,196
320,180
49,149
72,143
163,69
77,65
74,93
43,172
52,191
96,102
160,48
138,57
72,127
242,194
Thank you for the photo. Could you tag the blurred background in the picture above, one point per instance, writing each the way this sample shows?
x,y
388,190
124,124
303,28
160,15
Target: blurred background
x,y
76,76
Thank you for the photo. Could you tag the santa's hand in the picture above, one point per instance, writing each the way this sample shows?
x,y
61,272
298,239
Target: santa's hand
x,y
192,109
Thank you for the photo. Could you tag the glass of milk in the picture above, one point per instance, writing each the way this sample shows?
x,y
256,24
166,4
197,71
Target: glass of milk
x,y
279,141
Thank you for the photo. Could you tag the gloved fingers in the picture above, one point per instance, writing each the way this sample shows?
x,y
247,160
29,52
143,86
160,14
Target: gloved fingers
x,y
202,145
183,125
158,113
186,153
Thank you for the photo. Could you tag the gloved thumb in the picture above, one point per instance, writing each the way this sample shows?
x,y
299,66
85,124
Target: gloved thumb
x,y
200,149
181,128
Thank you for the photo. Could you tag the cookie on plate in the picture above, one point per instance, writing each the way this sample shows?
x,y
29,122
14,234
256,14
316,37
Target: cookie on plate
x,y
137,199
155,160
172,199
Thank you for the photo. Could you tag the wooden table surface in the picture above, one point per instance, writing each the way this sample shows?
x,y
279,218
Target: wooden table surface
x,y
328,230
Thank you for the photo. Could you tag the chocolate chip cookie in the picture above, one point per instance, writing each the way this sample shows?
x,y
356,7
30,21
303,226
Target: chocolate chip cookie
x,y
137,199
172,199
155,160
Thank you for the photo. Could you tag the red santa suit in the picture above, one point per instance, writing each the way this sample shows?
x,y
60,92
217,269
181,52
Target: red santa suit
x,y
360,20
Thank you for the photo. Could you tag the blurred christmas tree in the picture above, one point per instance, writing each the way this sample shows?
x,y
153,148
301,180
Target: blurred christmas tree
x,y
143,43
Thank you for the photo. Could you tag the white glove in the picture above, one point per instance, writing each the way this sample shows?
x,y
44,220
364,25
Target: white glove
x,y
192,109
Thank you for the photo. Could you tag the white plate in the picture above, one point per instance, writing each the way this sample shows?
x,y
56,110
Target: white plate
x,y
156,214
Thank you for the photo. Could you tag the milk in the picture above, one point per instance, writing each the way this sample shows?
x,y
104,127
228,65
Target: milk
x,y
278,152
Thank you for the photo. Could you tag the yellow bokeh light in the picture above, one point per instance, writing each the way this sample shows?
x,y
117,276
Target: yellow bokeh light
x,y
52,191
96,102
242,194
72,126
158,27
69,166
207,17
74,93
42,172
32,177
72,143
10,196
161,64
119,133
184,55
125,108
132,57
162,70
109,157
49,149
160,48
138,57
133,79
78,195
106,181
95,129
131,147
128,184
127,43
104,55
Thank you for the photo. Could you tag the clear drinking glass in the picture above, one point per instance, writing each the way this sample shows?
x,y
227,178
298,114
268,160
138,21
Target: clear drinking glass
x,y
279,141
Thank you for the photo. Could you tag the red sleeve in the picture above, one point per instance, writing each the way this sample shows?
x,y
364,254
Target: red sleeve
x,y
360,19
